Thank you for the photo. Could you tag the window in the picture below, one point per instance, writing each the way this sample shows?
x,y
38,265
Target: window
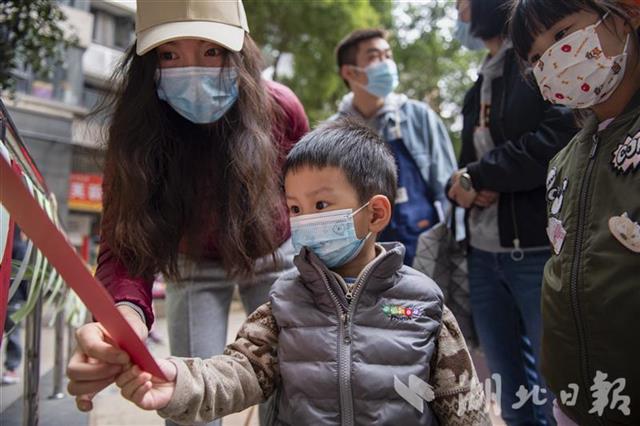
x,y
103,28
124,30
111,30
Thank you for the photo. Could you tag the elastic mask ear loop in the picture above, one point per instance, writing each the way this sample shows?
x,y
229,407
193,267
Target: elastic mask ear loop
x,y
601,20
359,210
359,69
363,71
626,43
626,46
355,213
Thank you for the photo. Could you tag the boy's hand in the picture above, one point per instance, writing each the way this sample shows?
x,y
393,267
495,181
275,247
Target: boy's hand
x,y
146,391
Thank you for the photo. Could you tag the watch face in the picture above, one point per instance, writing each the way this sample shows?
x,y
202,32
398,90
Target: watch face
x,y
465,182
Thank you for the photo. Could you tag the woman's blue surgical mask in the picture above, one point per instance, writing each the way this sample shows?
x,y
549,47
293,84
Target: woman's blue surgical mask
x,y
464,36
382,78
330,235
200,94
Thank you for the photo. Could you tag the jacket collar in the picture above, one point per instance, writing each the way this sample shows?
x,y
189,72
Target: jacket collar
x,y
391,110
631,112
380,273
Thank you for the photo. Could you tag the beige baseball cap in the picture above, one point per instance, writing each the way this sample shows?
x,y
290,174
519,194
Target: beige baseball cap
x,y
220,21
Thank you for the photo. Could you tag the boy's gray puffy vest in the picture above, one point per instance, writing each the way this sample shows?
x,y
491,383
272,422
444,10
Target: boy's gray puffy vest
x,y
339,361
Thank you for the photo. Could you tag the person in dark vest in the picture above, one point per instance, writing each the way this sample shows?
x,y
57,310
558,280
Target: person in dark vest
x,y
343,334
415,133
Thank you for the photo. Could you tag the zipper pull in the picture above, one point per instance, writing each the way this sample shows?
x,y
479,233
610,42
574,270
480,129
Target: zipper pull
x,y
517,254
594,146
345,322
349,295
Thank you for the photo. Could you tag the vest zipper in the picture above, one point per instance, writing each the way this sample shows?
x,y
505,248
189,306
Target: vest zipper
x,y
583,203
344,338
349,294
352,296
344,354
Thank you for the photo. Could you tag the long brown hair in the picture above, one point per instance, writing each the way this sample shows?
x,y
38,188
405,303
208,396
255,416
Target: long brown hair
x,y
170,183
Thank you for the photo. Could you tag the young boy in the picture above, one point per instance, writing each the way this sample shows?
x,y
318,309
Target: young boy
x,y
343,335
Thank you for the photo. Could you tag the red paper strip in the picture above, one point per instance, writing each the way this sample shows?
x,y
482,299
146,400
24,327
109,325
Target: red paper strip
x,y
26,211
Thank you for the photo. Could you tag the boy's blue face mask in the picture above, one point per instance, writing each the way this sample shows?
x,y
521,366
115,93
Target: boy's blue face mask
x,y
464,36
382,78
330,235
200,94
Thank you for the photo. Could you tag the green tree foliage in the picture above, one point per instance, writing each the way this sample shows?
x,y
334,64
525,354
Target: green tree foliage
x,y
310,30
433,66
31,36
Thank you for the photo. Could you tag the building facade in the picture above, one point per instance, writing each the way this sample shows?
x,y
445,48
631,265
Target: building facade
x,y
54,116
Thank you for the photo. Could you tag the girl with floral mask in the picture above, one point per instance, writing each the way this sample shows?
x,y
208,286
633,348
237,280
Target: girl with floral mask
x,y
585,54
194,143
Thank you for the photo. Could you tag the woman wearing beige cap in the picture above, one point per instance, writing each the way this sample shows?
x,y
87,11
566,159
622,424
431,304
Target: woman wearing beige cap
x,y
192,182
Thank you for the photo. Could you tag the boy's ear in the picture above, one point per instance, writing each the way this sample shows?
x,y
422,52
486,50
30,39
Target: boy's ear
x,y
380,206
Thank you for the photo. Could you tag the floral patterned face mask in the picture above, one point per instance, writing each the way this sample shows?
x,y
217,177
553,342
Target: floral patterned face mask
x,y
575,71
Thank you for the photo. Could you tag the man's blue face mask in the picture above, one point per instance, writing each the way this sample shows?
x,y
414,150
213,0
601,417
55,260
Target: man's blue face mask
x,y
464,36
382,78
330,235
200,94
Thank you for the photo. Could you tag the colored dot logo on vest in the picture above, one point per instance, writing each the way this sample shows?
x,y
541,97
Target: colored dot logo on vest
x,y
400,312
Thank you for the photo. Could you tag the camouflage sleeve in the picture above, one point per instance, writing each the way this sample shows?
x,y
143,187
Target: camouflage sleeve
x,y
246,374
459,397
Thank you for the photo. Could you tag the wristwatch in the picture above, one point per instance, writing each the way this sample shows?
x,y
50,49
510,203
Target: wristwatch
x,y
465,180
